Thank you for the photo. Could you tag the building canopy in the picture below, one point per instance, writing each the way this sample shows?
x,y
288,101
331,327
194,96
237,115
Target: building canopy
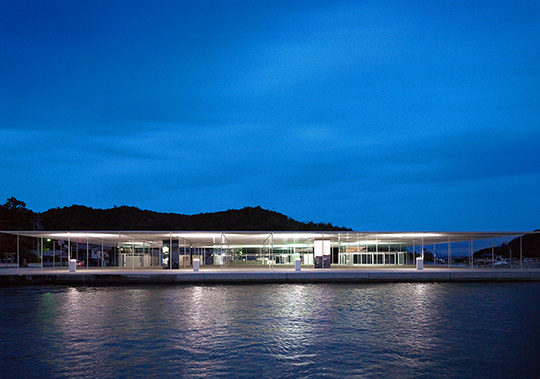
x,y
263,238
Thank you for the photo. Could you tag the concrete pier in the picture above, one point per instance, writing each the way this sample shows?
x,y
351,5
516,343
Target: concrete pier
x,y
112,277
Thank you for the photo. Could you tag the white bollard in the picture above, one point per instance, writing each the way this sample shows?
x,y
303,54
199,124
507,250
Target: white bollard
x,y
420,263
196,264
297,263
72,265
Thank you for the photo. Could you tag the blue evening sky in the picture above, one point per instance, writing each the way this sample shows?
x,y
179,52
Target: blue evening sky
x,y
375,115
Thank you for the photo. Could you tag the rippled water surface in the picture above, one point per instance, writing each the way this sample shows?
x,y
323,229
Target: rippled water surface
x,y
384,330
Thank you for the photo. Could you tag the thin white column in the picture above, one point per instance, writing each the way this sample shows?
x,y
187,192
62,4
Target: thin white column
x,y
53,252
422,249
272,249
221,251
377,249
87,252
41,248
170,251
118,253
472,248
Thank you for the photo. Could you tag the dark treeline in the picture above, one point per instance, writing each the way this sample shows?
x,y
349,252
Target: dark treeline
x,y
529,242
15,216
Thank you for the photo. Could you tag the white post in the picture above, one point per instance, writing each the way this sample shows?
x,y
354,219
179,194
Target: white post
x,y
72,265
420,260
86,252
53,252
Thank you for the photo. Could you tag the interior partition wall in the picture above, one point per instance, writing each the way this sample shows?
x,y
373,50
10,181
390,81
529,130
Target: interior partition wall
x,y
371,254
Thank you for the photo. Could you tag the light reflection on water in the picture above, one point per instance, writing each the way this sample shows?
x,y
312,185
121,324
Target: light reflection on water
x,y
385,330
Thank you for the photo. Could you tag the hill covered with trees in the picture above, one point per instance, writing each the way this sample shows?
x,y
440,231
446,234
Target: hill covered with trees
x,y
529,242
15,216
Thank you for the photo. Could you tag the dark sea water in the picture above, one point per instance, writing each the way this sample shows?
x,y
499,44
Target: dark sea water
x,y
484,330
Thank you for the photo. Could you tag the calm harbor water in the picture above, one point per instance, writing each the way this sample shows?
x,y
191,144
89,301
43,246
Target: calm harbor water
x,y
413,330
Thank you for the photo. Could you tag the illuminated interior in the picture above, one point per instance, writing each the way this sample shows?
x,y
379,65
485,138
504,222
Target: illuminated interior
x,y
168,249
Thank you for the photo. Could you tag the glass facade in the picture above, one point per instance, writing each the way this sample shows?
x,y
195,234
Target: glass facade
x,y
173,250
